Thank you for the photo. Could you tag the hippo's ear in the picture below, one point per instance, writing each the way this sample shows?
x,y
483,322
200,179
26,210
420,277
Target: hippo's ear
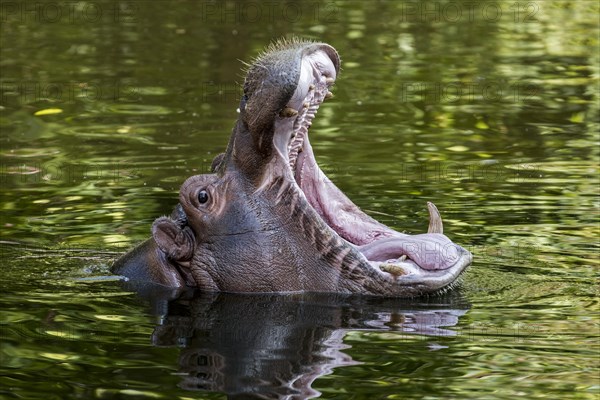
x,y
176,242
216,162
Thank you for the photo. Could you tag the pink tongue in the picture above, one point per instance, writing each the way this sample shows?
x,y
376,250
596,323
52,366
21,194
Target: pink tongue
x,y
430,251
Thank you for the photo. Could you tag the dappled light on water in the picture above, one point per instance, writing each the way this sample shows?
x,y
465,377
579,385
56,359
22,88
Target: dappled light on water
x,y
489,110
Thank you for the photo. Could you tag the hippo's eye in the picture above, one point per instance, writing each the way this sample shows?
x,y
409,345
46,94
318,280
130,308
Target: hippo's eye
x,y
202,196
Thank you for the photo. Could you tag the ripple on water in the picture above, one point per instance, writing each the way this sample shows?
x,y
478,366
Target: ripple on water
x,y
140,109
141,133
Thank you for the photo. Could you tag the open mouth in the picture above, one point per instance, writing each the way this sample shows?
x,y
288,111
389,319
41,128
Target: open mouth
x,y
400,257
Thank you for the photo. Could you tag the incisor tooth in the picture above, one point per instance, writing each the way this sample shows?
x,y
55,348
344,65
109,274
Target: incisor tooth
x,y
329,80
329,95
393,269
288,112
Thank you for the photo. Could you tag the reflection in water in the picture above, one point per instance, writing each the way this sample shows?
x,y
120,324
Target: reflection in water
x,y
275,346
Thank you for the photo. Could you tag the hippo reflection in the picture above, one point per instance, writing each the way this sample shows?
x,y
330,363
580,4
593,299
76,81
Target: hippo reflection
x,y
275,346
268,219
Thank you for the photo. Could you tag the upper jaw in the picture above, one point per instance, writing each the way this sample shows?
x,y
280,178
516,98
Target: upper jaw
x,y
316,69
317,74
274,91
280,78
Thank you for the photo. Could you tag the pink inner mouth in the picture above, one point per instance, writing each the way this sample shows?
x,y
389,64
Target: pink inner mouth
x,y
378,243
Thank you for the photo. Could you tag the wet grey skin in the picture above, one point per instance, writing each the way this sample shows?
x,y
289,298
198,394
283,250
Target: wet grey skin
x,y
268,219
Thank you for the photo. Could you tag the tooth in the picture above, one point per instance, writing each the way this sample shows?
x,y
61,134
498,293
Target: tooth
x,y
288,112
435,219
402,257
329,80
393,269
329,95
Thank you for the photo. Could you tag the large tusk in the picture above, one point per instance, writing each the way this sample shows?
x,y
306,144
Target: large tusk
x,y
435,219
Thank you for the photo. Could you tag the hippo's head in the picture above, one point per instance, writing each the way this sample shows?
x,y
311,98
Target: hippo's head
x,y
268,219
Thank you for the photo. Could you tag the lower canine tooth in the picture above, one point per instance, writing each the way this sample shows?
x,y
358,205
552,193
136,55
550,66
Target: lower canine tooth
x,y
329,95
435,220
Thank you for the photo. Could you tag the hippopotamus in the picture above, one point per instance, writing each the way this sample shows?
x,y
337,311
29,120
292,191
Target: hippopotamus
x,y
267,219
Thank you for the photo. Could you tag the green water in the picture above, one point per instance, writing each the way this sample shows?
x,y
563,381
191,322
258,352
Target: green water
x,y
488,109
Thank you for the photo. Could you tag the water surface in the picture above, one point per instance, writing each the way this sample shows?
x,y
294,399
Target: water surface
x,y
488,109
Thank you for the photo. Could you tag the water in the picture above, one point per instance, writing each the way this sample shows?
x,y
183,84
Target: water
x,y
490,110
